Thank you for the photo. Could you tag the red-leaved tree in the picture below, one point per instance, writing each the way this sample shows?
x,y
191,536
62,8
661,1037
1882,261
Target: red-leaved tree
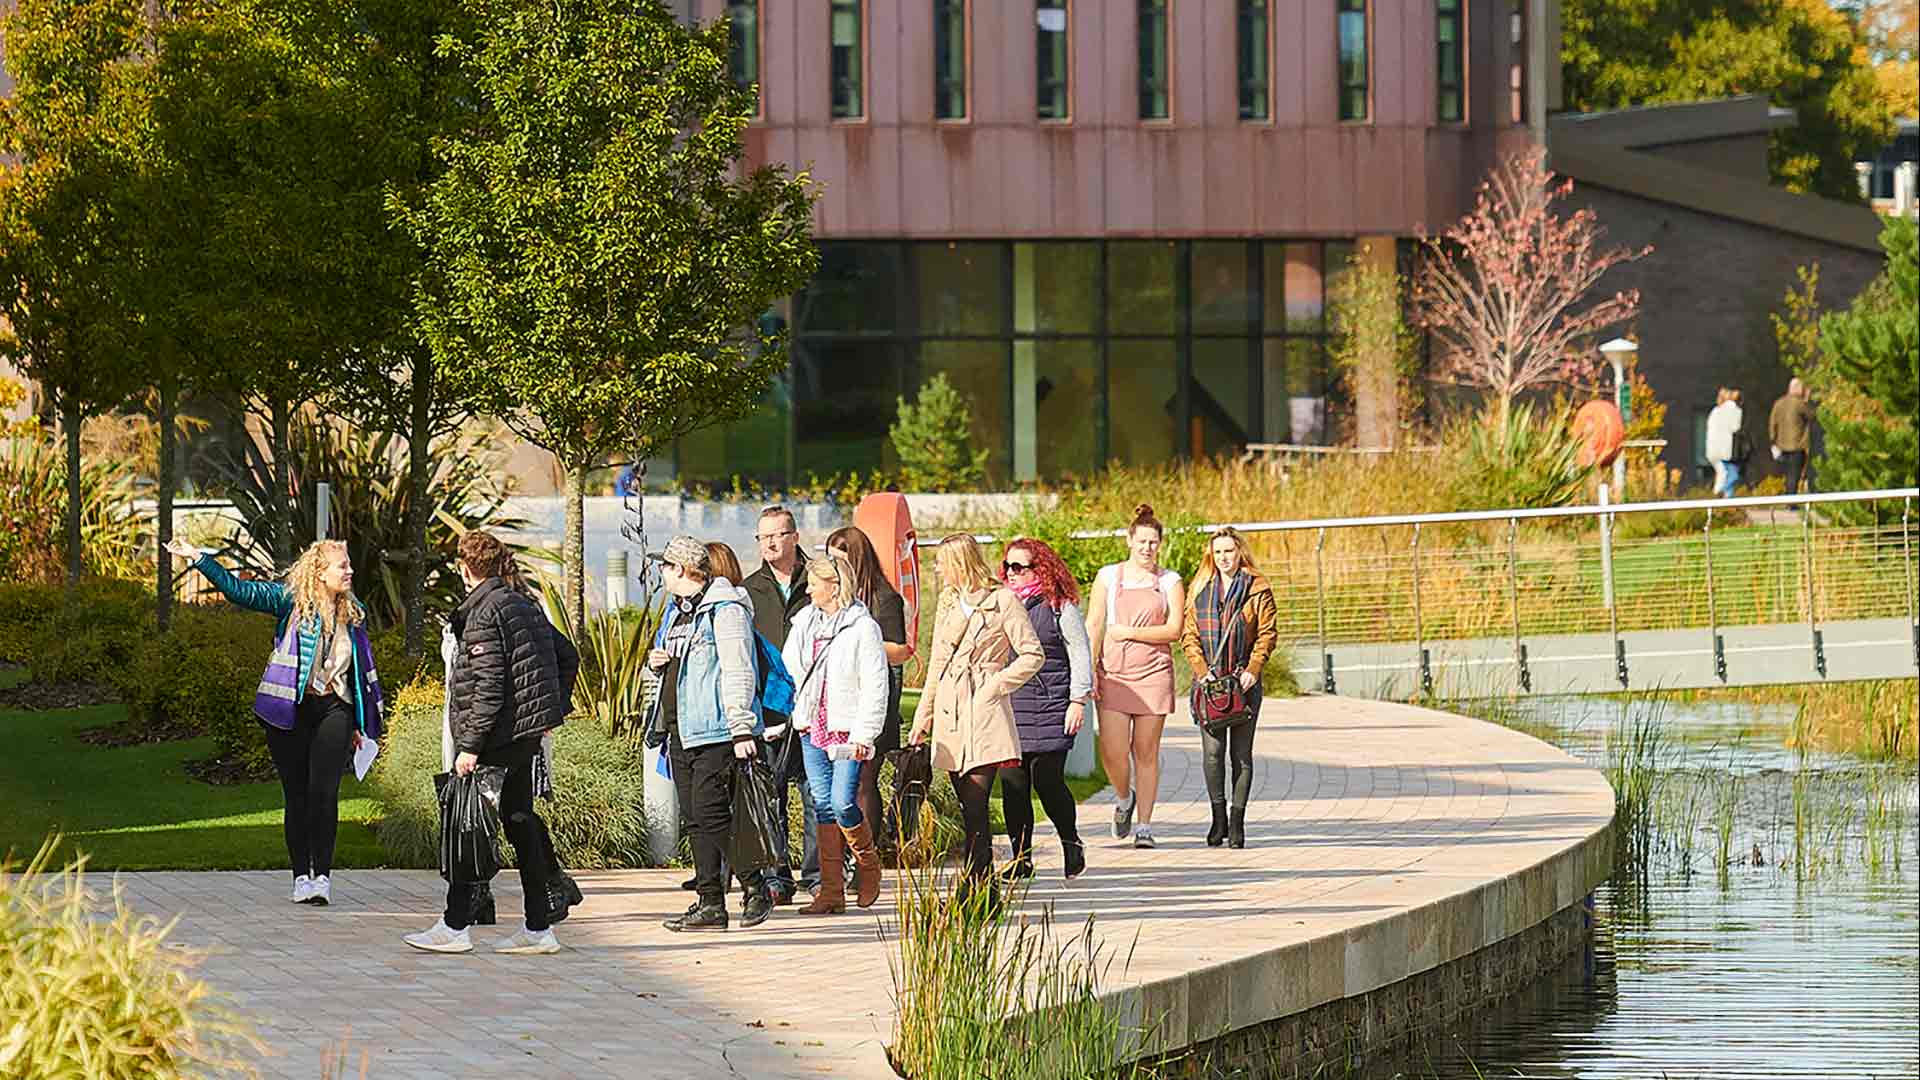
x,y
1499,289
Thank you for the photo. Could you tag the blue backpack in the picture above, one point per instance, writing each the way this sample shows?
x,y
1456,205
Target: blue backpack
x,y
773,687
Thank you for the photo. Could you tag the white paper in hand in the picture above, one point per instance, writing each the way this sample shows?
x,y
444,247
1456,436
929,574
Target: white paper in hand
x,y
363,758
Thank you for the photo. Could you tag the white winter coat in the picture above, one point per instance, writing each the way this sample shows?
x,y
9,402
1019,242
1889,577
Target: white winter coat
x,y
854,675
1722,422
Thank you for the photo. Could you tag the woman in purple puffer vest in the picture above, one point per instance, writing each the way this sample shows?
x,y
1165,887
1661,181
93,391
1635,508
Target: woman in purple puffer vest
x,y
1050,707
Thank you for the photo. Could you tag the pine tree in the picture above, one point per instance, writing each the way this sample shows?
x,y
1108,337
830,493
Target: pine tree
x,y
1871,368
934,438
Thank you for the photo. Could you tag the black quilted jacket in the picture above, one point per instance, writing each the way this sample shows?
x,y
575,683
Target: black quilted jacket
x,y
513,677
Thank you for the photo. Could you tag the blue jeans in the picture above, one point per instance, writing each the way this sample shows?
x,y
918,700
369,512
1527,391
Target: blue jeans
x,y
833,785
1729,476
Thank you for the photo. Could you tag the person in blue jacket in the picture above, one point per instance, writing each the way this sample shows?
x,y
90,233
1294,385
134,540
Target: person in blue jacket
x,y
319,697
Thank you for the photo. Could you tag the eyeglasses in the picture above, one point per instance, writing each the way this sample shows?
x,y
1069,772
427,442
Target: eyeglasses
x,y
1015,567
767,538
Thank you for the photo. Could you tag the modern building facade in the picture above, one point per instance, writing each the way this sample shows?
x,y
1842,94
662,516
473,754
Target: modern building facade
x,y
1113,224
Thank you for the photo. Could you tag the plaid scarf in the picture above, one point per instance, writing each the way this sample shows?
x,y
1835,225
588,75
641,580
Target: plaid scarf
x,y
1213,609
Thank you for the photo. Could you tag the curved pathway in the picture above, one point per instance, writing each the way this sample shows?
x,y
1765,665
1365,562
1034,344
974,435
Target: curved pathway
x,y
1382,840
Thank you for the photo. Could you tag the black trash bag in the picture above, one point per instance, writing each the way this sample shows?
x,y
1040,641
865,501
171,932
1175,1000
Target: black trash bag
x,y
912,782
755,843
470,824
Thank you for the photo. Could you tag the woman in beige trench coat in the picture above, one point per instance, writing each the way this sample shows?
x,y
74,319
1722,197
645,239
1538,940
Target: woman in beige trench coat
x,y
984,648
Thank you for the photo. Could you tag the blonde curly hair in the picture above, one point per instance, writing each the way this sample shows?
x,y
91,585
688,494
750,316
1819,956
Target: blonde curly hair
x,y
310,594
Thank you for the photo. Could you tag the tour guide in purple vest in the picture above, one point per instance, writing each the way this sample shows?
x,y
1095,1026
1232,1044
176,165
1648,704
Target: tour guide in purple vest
x,y
319,697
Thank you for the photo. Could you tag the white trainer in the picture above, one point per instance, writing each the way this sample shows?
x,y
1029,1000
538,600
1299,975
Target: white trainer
x,y
1142,836
320,892
302,889
440,938
525,942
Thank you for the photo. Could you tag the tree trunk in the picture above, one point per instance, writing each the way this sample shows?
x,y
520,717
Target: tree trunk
x,y
281,528
70,420
163,566
574,547
414,581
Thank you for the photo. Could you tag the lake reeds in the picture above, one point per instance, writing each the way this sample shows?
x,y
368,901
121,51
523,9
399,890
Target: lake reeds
x,y
1635,753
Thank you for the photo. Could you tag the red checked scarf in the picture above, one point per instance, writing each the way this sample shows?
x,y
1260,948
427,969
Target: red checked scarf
x,y
1211,610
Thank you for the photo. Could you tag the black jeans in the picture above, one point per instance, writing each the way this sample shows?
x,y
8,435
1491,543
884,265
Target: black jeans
x,y
1046,773
311,760
975,789
532,845
682,765
1794,463
1237,744
710,777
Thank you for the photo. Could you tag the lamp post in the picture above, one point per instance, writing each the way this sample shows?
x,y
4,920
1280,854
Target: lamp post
x,y
1617,352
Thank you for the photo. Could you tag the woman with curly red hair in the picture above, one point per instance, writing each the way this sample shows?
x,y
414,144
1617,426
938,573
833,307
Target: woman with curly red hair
x,y
1050,707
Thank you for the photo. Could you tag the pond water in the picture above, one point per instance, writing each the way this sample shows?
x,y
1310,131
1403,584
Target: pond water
x,y
1798,955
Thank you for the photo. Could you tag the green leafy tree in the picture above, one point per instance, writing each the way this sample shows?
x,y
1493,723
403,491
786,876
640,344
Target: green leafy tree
x,y
1869,380
594,247
934,438
1802,54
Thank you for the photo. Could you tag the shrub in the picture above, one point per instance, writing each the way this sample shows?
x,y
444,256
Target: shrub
x,y
85,635
596,816
1527,460
1689,522
33,514
88,988
200,677
934,438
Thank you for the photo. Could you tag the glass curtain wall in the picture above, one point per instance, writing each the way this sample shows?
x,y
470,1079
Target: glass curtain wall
x,y
1071,354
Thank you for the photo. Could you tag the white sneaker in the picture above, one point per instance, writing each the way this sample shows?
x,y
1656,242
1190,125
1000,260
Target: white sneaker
x,y
319,892
302,889
525,942
1123,817
1142,836
440,938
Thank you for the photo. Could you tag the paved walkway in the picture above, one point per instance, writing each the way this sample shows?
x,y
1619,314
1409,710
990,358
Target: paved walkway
x,y
1364,815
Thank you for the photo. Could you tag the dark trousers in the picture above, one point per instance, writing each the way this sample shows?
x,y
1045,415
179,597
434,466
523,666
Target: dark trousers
x,y
311,760
682,765
1046,773
710,777
975,789
1794,464
1236,743
532,844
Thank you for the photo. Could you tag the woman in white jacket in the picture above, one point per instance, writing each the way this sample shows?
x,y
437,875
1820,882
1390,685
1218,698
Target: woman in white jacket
x,y
1722,425
839,668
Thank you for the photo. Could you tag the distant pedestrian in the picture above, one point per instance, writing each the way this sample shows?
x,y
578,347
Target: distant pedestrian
x,y
512,684
778,590
884,603
984,649
1790,430
840,670
1724,437
1048,708
1231,628
319,698
1133,618
707,676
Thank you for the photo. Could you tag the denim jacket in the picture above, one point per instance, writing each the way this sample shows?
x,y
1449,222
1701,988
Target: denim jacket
x,y
715,691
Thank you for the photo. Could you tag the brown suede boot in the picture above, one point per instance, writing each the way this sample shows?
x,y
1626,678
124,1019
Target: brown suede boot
x,y
866,864
831,897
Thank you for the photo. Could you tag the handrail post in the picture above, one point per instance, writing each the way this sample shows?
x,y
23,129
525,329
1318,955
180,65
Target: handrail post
x,y
1813,621
1606,582
1320,578
1913,578
1713,614
1419,624
1513,596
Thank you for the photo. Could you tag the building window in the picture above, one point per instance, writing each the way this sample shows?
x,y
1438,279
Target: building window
x,y
845,62
1449,33
1050,61
1517,67
1353,59
950,59
743,44
1254,59
1153,59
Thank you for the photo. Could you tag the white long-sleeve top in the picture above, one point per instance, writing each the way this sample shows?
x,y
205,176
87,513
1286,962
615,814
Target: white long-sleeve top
x,y
852,672
1722,422
1073,629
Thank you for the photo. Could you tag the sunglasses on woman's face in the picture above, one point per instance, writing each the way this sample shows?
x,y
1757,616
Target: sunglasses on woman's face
x,y
1015,567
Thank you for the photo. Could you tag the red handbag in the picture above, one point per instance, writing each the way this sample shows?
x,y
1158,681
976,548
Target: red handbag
x,y
1219,701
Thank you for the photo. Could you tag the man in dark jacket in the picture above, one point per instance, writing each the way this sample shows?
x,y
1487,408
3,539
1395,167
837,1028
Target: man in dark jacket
x,y
778,591
512,683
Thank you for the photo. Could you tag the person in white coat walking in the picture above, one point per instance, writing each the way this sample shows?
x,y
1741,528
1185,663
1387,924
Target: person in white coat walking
x,y
1723,439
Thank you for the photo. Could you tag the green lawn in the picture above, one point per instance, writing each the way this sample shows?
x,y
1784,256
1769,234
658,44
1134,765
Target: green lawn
x,y
135,808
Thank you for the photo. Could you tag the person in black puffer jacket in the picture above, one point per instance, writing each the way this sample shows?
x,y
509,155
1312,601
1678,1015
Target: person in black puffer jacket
x,y
512,683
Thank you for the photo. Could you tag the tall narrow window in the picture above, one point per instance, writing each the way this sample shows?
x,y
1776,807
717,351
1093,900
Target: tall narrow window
x,y
950,59
1153,59
743,43
1253,60
1449,34
845,61
1517,65
1050,60
1353,59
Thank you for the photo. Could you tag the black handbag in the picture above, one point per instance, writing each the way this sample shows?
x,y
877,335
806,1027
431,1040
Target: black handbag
x,y
470,823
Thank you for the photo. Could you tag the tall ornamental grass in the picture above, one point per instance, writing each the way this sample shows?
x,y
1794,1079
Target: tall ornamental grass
x,y
90,990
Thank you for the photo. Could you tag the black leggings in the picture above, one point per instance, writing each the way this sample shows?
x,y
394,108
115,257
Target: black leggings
x,y
975,789
1045,772
532,845
311,760
1237,744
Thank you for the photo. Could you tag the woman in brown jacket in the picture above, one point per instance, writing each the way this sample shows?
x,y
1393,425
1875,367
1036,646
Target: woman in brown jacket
x,y
1231,628
984,648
